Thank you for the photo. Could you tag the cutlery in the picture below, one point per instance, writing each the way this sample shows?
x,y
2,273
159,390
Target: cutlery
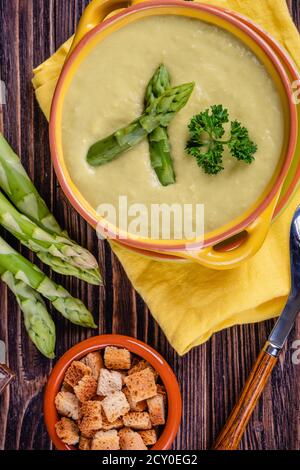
x,y
230,436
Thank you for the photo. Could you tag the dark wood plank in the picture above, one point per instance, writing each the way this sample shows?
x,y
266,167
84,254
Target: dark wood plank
x,y
210,376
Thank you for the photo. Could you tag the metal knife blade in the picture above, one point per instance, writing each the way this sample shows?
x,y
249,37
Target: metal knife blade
x,y
289,314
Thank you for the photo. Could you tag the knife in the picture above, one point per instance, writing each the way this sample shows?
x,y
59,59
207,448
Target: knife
x,y
230,436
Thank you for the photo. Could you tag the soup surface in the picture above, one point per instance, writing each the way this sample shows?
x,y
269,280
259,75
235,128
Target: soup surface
x,y
107,93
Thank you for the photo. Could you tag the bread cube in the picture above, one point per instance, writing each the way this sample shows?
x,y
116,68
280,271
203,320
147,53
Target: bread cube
x,y
67,431
134,406
115,405
109,381
162,391
75,372
67,404
137,420
86,388
131,440
95,362
141,365
156,408
141,385
107,426
66,388
106,440
84,443
149,437
117,358
91,418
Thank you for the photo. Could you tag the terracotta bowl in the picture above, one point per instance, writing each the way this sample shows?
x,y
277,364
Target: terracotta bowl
x,y
136,347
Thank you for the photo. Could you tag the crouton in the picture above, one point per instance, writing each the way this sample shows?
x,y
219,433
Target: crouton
x,y
123,375
86,388
131,440
98,397
134,406
115,405
91,418
137,420
141,365
109,381
84,443
95,362
67,431
149,437
66,388
67,404
107,426
162,391
106,440
75,373
141,385
117,358
156,409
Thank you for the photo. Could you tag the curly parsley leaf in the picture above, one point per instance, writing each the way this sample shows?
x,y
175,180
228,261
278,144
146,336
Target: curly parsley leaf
x,y
206,129
240,145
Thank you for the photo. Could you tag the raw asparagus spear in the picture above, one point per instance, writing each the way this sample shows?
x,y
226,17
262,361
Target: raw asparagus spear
x,y
57,251
71,308
38,322
159,146
159,113
21,191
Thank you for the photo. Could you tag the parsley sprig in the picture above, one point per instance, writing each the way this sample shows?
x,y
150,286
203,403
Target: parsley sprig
x,y
205,144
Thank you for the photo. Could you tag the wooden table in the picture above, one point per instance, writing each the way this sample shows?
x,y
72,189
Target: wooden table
x,y
212,375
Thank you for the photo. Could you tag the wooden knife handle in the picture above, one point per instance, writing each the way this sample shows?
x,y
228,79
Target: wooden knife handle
x,y
231,434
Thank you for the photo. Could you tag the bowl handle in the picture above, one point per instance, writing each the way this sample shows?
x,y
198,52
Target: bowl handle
x,y
256,234
95,12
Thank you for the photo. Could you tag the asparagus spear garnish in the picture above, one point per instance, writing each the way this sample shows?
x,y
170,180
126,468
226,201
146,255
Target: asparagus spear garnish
x,y
159,113
57,251
38,322
71,308
21,191
159,146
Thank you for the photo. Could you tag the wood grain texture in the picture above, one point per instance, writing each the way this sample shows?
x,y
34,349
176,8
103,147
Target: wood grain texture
x,y
210,376
231,435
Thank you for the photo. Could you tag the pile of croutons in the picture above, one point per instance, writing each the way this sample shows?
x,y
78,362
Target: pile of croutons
x,y
110,403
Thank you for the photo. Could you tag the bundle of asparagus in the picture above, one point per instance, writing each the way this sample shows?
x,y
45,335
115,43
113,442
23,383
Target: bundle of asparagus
x,y
158,114
37,229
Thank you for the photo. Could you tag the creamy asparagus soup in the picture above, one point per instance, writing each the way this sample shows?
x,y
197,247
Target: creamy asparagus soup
x,y
108,92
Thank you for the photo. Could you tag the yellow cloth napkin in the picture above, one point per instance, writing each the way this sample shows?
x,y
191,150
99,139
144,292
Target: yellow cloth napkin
x,y
190,302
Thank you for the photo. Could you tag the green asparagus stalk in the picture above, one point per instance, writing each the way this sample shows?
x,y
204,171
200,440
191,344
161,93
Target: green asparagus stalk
x,y
38,322
74,260
71,308
159,146
159,113
19,188
57,251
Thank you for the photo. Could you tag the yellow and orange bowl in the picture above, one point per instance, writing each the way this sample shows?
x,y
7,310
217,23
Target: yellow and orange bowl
x,y
134,346
237,241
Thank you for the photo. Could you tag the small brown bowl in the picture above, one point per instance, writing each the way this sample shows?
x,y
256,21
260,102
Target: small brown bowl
x,y
136,347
